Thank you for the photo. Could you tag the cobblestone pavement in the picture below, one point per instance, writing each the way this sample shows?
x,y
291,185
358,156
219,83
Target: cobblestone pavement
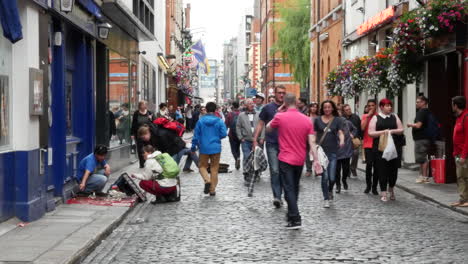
x,y
233,228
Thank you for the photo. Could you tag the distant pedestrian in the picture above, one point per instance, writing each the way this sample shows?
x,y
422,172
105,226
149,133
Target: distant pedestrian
x,y
295,132
344,155
460,148
386,122
271,99
259,100
207,138
372,177
272,148
302,106
313,113
245,127
330,136
422,142
163,111
189,118
356,121
141,117
234,141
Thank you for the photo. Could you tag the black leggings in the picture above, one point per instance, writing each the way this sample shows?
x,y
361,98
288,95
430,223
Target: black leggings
x,y
342,165
388,172
372,175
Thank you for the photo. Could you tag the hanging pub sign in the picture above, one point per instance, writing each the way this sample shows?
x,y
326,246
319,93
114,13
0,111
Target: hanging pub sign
x,y
379,19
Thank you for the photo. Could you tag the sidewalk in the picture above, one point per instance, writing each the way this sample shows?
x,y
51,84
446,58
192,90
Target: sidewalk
x,y
61,236
441,194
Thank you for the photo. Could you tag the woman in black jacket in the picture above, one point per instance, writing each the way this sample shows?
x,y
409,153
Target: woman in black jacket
x,y
141,117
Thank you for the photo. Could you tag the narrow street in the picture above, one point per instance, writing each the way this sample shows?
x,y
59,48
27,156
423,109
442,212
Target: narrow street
x,y
232,227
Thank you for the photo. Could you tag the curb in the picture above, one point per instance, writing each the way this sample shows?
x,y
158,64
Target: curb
x,y
81,254
425,197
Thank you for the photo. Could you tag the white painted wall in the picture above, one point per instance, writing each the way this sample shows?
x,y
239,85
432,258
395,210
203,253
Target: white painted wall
x,y
152,49
25,129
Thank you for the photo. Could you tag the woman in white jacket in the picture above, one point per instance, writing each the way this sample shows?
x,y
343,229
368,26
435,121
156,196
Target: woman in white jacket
x,y
164,189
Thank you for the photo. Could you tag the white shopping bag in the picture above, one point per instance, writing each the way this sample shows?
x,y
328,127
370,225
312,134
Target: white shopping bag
x,y
390,151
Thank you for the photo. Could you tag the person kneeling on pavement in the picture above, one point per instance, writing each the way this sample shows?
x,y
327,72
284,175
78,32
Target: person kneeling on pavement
x,y
159,176
93,172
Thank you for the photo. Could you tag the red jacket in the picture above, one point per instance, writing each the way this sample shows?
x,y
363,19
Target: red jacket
x,y
460,136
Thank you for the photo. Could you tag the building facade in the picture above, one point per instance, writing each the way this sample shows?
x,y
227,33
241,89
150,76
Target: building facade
x,y
274,70
78,70
444,64
326,34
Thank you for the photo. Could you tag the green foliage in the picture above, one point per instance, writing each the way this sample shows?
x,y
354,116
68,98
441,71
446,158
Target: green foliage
x,y
293,38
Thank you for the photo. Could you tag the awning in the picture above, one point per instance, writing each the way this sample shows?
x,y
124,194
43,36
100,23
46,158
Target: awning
x,y
118,12
162,62
10,20
92,8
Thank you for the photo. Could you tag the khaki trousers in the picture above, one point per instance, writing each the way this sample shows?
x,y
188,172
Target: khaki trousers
x,y
462,182
213,160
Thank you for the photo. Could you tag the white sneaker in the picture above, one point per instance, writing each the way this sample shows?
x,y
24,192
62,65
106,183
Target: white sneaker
x,y
420,179
326,204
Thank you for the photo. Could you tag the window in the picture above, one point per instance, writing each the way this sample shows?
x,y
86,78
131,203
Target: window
x,y
119,97
144,11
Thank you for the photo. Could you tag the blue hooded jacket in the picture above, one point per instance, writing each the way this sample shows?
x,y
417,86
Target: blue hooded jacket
x,y
209,131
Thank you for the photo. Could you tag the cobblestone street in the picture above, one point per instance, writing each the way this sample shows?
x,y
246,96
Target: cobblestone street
x,y
232,227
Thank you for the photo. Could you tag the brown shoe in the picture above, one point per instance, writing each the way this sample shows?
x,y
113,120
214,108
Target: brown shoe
x,y
464,204
456,204
308,174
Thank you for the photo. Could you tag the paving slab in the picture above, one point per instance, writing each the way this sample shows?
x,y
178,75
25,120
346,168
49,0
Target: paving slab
x,y
64,235
441,194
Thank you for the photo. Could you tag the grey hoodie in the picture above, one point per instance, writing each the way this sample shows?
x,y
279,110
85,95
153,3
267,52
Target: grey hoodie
x,y
244,128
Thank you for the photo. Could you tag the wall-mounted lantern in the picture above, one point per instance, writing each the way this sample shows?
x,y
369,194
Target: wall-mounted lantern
x,y
103,30
66,5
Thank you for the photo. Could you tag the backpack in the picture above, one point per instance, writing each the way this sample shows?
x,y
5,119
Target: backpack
x,y
172,125
432,129
170,168
233,124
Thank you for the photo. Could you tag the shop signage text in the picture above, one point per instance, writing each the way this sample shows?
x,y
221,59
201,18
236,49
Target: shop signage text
x,y
377,20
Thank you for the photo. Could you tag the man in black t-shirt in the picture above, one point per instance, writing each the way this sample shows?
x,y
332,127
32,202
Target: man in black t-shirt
x,y
356,121
422,142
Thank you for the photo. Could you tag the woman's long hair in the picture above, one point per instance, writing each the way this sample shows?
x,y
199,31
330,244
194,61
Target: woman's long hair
x,y
311,105
335,108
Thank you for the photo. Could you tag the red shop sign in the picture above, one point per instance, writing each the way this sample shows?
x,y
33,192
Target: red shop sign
x,y
377,20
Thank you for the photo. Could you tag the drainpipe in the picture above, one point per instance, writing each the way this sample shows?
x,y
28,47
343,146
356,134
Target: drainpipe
x,y
318,54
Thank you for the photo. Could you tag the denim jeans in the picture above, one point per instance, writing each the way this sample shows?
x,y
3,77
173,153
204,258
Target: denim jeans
x,y
235,147
290,176
329,176
190,158
96,182
272,150
246,147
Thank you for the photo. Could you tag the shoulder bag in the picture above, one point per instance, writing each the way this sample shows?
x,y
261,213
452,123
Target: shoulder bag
x,y
321,156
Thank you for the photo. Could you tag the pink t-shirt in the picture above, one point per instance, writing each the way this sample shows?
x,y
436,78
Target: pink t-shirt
x,y
294,129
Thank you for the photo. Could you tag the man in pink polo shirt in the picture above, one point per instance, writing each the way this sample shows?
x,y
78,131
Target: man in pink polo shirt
x,y
295,130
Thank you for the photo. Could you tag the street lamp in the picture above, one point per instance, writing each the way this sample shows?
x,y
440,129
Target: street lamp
x,y
66,5
103,30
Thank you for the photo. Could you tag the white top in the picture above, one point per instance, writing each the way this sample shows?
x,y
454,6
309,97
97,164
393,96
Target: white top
x,y
151,168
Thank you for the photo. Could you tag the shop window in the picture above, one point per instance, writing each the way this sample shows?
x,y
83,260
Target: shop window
x,y
4,111
119,98
145,82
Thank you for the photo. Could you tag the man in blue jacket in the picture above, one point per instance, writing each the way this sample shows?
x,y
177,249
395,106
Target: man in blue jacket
x,y
207,138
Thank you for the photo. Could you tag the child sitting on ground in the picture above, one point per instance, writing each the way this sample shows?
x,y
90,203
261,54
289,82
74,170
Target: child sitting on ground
x,y
161,181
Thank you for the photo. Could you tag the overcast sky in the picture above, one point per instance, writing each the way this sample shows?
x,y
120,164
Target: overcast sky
x,y
219,19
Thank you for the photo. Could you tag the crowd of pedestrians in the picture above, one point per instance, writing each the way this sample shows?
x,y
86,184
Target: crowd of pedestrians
x,y
327,139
